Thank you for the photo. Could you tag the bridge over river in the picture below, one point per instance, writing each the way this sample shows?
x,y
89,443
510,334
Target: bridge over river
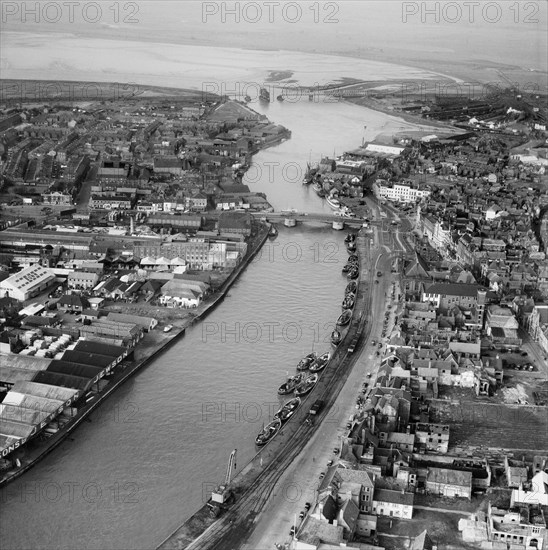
x,y
308,217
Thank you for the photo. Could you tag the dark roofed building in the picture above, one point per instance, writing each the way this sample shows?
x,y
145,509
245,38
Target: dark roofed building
x,y
72,302
235,222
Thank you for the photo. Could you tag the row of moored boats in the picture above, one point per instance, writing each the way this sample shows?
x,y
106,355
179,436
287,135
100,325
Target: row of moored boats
x,y
352,271
311,366
301,384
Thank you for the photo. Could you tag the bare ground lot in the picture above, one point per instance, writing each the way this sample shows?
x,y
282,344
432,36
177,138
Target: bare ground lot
x,y
490,424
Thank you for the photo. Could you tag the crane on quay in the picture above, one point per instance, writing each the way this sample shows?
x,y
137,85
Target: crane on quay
x,y
223,495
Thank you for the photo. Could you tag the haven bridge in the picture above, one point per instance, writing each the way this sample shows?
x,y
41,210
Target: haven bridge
x,y
291,217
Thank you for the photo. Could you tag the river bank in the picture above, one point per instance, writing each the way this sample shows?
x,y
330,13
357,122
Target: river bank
x,y
152,346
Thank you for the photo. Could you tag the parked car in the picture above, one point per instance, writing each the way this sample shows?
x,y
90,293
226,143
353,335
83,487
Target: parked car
x,y
302,514
336,451
292,531
524,354
322,475
329,463
307,506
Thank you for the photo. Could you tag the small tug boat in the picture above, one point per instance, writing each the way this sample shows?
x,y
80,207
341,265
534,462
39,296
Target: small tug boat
x,y
287,411
291,383
269,431
353,273
320,362
306,387
351,287
344,318
350,238
305,362
348,302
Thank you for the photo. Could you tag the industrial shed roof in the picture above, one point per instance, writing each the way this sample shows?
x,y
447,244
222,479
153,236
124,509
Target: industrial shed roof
x,y
74,369
63,380
99,348
84,358
37,389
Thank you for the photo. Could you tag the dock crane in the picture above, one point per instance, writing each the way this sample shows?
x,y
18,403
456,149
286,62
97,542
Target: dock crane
x,y
222,496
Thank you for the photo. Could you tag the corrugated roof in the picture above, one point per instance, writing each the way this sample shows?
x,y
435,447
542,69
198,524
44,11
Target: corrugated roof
x,y
24,362
85,358
32,402
62,380
74,369
43,390
9,428
21,414
9,375
99,348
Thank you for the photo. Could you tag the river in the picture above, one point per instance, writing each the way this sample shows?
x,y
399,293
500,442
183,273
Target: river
x,y
155,449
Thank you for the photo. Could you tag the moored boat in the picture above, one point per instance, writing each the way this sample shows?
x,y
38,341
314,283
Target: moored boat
x,y
351,287
346,268
336,337
305,362
353,258
351,247
353,273
320,362
351,237
287,411
290,384
273,231
306,387
280,97
264,95
348,302
344,318
268,432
